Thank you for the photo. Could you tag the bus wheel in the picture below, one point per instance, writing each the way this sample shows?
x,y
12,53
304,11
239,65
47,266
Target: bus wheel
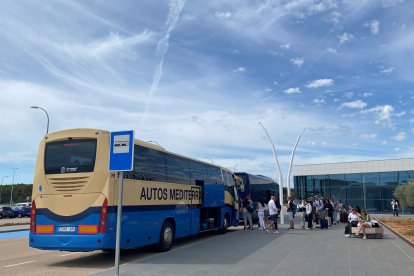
x,y
225,225
166,237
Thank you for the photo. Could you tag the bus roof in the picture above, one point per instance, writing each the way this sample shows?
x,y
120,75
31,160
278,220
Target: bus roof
x,y
90,132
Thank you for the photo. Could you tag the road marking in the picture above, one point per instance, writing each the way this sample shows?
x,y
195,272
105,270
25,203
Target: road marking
x,y
20,264
64,255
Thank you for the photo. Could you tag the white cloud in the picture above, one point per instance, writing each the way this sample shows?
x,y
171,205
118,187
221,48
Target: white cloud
x,y
334,17
400,114
331,50
345,37
310,7
319,101
297,61
368,136
292,90
400,136
354,104
239,69
373,25
383,113
104,47
320,83
387,71
367,94
223,15
397,149
285,46
348,95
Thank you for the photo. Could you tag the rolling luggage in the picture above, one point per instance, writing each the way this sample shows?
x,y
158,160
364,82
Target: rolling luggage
x,y
348,230
324,223
343,217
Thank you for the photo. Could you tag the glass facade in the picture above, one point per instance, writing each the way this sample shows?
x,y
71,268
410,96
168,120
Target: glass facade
x,y
370,191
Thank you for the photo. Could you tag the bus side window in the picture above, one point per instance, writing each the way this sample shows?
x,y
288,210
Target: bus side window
x,y
198,172
214,175
149,164
178,170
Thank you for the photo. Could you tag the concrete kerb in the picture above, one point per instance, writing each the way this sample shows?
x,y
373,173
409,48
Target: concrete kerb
x,y
395,232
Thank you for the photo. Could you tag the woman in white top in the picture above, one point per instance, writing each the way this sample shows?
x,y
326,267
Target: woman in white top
x,y
309,214
302,210
260,212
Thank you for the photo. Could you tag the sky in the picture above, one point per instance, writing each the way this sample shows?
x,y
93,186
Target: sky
x,y
197,77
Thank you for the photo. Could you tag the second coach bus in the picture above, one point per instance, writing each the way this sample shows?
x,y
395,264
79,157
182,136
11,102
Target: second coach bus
x,y
259,187
166,196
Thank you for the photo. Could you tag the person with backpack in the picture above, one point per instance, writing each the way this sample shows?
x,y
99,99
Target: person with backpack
x,y
395,206
247,212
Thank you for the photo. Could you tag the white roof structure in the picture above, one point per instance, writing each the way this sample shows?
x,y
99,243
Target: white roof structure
x,y
389,165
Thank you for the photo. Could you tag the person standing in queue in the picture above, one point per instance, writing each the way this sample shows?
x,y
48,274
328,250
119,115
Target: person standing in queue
x,y
273,212
290,208
247,212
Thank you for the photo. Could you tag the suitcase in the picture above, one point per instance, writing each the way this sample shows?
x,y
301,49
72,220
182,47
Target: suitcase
x,y
343,217
324,223
348,230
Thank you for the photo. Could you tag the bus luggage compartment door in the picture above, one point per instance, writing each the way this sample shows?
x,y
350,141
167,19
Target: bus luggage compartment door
x,y
213,195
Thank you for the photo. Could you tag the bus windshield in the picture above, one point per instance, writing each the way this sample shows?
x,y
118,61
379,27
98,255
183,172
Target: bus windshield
x,y
70,156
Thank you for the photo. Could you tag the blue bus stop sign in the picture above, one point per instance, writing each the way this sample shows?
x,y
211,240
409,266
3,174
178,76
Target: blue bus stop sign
x,y
121,155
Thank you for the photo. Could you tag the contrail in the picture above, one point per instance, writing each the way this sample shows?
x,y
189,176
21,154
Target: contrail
x,y
176,7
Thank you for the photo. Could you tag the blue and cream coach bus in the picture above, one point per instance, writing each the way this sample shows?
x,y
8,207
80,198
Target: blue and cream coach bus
x,y
167,196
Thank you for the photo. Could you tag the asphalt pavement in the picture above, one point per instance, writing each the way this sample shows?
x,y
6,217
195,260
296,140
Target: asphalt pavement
x,y
297,252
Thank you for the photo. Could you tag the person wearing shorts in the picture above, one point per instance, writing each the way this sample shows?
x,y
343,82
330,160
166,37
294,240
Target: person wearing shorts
x,y
273,214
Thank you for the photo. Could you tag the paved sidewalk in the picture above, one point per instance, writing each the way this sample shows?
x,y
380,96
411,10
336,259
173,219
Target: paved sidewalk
x,y
298,252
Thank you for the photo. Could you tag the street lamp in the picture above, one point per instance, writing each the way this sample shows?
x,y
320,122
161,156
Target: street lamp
x,y
282,217
291,161
47,115
235,166
1,188
210,159
11,193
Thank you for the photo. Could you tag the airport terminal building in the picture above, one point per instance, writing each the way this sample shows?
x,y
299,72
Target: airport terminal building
x,y
367,184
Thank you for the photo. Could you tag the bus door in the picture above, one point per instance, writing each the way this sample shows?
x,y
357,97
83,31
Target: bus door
x,y
194,208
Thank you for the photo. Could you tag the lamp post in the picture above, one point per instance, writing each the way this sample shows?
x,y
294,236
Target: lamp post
x,y
235,166
47,115
1,188
282,218
11,193
291,161
210,159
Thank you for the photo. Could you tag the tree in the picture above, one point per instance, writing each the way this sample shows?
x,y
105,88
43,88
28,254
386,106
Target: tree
x,y
409,193
405,194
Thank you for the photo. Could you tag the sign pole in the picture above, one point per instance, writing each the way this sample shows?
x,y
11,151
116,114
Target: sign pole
x,y
121,159
118,219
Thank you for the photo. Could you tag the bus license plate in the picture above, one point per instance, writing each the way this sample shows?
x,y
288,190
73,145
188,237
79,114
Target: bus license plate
x,y
66,229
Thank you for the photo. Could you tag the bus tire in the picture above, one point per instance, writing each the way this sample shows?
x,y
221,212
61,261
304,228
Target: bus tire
x,y
225,224
166,236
